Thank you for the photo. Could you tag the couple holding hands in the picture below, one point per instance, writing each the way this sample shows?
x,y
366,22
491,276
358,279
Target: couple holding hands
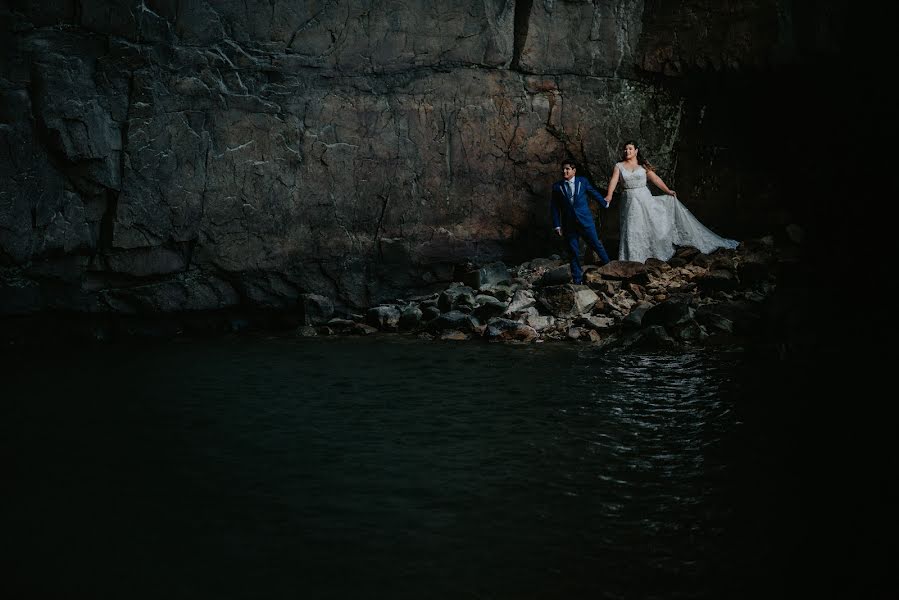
x,y
651,226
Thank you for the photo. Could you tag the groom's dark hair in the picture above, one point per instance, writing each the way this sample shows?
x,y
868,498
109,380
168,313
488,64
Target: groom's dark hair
x,y
570,161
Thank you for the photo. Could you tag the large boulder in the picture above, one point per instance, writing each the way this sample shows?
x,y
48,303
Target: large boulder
x,y
567,300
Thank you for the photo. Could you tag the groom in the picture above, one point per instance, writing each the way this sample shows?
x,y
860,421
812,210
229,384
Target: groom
x,y
572,217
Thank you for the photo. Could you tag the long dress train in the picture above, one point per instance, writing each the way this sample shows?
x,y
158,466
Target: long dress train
x,y
651,226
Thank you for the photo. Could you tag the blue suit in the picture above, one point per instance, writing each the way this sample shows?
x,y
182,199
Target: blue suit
x,y
573,215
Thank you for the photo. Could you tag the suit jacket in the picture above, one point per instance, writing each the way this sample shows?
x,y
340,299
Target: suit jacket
x,y
567,213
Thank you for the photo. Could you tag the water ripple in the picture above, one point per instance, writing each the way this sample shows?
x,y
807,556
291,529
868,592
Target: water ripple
x,y
556,471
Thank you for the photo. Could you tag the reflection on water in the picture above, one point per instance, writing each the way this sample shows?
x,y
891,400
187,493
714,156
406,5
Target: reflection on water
x,y
385,467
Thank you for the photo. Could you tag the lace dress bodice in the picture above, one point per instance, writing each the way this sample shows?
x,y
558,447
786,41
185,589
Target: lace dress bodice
x,y
632,180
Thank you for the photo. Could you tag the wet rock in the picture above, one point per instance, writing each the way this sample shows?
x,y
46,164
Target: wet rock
x,y
636,290
686,253
718,280
670,313
794,233
653,337
714,321
596,323
488,307
556,276
656,267
341,325
316,309
429,313
603,286
634,319
456,297
540,264
567,300
724,259
500,291
521,300
487,275
306,331
385,318
621,303
410,318
430,302
575,333
624,270
593,336
539,322
427,298
452,320
507,330
454,335
690,332
739,317
363,329
754,268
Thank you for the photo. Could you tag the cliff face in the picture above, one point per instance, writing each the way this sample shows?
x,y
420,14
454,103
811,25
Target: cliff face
x,y
166,155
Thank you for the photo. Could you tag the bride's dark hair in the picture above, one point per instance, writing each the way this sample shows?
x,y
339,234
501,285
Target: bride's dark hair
x,y
641,157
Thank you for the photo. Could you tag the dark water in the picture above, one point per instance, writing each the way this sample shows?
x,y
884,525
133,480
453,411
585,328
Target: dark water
x,y
262,468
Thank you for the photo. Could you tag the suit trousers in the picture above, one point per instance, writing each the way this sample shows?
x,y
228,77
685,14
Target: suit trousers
x,y
572,236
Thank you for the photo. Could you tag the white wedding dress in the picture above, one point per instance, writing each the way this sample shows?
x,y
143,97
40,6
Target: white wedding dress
x,y
651,226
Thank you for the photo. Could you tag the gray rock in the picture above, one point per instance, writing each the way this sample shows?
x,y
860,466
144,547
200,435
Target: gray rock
x,y
653,337
556,276
500,291
755,268
488,307
715,321
455,297
337,324
522,300
718,280
740,318
576,333
594,322
410,318
794,233
454,335
487,275
690,332
635,317
702,260
623,270
385,318
673,311
567,300
429,313
363,329
687,253
506,330
316,309
539,322
452,320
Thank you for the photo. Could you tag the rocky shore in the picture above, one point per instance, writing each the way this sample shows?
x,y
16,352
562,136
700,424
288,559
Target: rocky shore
x,y
692,299
726,298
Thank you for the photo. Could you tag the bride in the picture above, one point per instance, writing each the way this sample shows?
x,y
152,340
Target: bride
x,y
651,226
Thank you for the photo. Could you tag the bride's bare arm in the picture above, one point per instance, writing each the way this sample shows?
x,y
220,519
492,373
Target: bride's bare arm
x,y
613,182
657,181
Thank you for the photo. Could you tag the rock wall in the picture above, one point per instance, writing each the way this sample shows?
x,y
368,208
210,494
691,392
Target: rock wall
x,y
169,155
